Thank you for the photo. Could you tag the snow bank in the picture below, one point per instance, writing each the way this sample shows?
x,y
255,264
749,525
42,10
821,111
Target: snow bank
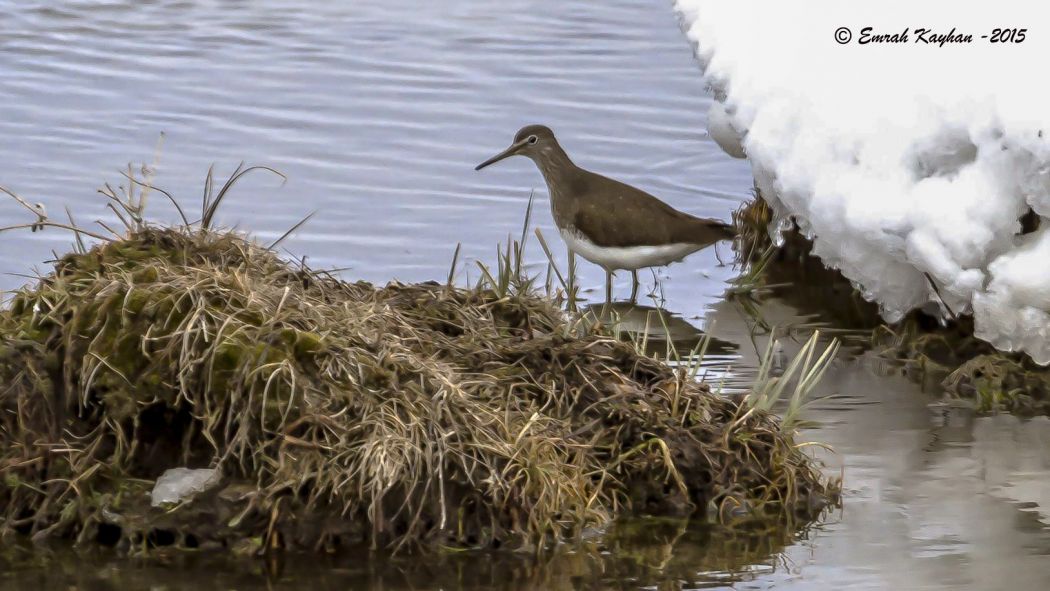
x,y
904,162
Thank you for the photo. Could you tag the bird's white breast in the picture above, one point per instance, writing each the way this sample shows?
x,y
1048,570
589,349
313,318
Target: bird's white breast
x,y
626,257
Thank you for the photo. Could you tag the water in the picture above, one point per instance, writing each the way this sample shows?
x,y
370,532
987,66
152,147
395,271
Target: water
x,y
934,497
377,112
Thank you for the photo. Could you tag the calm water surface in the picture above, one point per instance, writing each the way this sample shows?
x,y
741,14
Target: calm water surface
x,y
377,111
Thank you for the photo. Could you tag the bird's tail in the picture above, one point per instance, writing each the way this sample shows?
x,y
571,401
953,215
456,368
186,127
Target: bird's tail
x,y
722,230
706,231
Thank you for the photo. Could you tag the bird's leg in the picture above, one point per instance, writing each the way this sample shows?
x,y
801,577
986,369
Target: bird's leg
x,y
608,286
572,280
634,285
41,217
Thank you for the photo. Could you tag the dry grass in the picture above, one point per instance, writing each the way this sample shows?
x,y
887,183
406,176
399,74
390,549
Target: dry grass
x,y
339,412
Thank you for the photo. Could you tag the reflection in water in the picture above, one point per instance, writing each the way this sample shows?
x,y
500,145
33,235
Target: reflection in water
x,y
638,552
656,327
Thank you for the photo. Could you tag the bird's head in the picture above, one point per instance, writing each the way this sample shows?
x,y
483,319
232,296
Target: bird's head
x,y
530,141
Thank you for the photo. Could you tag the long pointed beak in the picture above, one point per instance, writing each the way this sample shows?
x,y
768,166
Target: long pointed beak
x,y
513,149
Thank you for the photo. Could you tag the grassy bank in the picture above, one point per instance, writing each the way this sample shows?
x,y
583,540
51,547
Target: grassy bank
x,y
944,357
338,413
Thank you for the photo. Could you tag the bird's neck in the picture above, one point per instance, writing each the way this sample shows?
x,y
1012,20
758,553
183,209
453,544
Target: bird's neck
x,y
560,173
556,167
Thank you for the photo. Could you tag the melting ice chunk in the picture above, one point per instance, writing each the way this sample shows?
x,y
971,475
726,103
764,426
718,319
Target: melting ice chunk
x,y
178,484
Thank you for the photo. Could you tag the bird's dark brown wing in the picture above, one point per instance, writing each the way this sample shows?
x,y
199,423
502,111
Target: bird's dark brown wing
x,y
614,214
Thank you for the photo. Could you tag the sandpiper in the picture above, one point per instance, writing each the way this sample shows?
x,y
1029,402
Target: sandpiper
x,y
609,223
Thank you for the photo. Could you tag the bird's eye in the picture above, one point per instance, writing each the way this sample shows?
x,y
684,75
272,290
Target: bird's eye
x,y
532,139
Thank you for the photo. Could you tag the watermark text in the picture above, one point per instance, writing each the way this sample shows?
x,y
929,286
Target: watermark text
x,y
929,36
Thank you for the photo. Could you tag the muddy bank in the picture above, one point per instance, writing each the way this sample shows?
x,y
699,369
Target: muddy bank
x,y
942,356
339,413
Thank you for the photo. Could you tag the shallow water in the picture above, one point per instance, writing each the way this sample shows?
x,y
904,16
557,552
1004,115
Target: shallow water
x,y
377,111
934,497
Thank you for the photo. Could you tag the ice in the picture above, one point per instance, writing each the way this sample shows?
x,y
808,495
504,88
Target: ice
x,y
177,484
905,163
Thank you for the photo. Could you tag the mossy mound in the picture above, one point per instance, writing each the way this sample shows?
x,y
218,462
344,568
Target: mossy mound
x,y
339,412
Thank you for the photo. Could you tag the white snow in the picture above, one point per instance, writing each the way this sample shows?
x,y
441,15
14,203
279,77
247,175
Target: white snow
x,y
898,160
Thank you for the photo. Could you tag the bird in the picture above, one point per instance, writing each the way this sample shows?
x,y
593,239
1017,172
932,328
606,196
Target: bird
x,y
608,222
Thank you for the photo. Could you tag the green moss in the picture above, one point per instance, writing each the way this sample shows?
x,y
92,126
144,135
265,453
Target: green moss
x,y
287,336
137,300
307,344
146,275
11,480
228,356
